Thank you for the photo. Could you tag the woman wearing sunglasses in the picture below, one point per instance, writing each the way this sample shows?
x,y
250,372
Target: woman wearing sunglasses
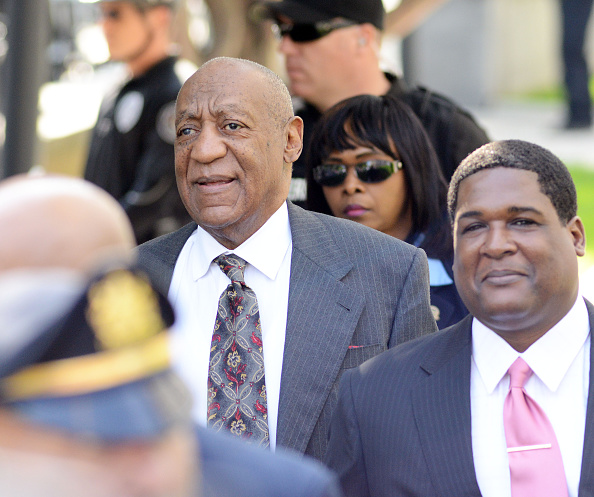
x,y
375,165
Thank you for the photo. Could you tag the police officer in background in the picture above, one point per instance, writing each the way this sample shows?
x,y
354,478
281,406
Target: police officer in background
x,y
331,50
131,151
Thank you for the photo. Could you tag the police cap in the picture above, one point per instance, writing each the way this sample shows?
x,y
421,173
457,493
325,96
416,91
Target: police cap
x,y
102,369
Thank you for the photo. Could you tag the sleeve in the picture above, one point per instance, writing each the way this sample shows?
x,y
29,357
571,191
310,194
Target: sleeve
x,y
413,317
345,453
468,137
325,484
452,130
155,168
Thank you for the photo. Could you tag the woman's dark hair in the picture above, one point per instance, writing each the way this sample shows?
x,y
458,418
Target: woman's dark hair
x,y
386,124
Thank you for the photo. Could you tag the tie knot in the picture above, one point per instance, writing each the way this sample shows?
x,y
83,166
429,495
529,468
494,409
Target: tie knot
x,y
232,265
519,372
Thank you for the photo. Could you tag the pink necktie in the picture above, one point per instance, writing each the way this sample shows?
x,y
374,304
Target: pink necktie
x,y
535,463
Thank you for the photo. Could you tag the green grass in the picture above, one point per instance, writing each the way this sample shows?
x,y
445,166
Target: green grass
x,y
583,177
554,93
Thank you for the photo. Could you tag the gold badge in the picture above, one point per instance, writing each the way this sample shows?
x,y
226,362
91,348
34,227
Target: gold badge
x,y
123,309
436,312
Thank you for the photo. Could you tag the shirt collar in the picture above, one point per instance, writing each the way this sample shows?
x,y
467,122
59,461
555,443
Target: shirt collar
x,y
549,357
265,249
438,276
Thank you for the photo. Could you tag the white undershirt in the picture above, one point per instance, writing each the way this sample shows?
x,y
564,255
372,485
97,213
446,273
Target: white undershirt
x,y
560,361
196,286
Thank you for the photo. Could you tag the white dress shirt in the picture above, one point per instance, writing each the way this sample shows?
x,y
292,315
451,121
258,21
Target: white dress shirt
x,y
196,286
560,360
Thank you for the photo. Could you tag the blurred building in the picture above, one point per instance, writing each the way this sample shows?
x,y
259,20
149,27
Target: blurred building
x,y
478,51
475,51
3,85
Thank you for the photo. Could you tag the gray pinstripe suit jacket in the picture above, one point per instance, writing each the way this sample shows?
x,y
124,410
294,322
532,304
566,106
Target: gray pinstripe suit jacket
x,y
353,292
416,440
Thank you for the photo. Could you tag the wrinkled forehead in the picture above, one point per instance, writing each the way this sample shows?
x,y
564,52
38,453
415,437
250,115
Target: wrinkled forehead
x,y
214,90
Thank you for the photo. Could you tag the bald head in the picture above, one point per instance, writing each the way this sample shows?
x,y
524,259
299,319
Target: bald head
x,y
60,222
277,96
236,130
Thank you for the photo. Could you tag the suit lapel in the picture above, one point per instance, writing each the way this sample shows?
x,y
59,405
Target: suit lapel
x,y
442,411
441,405
160,255
322,315
586,488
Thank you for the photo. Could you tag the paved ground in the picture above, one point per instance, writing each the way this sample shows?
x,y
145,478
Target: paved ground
x,y
540,123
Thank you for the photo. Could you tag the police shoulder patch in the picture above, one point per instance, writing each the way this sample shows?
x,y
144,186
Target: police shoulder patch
x,y
436,312
128,111
166,123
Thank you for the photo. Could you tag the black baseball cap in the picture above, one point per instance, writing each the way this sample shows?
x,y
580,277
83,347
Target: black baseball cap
x,y
313,11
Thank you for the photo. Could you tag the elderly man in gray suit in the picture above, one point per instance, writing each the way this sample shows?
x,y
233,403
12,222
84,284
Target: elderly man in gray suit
x,y
274,302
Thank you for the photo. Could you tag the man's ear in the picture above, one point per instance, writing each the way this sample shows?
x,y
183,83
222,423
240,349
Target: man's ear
x,y
578,233
367,36
294,143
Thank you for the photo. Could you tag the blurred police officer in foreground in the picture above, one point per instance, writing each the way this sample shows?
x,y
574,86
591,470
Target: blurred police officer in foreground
x,y
88,402
90,406
131,151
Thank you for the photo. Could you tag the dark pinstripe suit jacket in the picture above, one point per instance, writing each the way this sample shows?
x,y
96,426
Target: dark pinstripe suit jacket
x,y
353,293
415,440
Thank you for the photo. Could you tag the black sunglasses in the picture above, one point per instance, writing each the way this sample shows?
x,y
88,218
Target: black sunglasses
x,y
309,32
371,171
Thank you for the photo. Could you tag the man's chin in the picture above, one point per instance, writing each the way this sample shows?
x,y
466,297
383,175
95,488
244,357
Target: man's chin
x,y
508,316
215,218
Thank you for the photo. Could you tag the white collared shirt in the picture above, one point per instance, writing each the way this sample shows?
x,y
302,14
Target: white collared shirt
x,y
560,360
196,286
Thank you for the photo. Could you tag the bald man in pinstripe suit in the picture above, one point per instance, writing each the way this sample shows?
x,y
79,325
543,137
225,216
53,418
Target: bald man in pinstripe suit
x,y
339,293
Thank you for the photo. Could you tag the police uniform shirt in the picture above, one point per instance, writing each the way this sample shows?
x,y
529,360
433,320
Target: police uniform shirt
x,y
131,152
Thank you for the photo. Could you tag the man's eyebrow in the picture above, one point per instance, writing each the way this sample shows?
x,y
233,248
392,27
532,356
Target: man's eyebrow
x,y
223,110
186,114
511,210
233,109
469,214
519,209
